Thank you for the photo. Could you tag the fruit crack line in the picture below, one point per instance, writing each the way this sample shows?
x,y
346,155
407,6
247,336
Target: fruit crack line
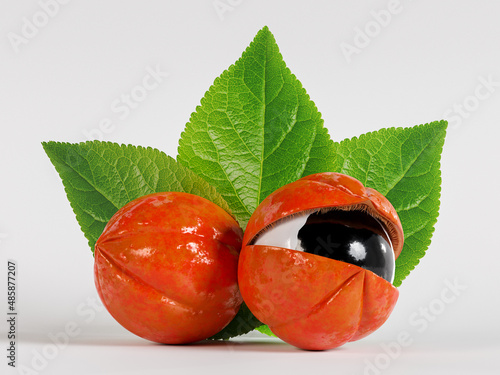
x,y
329,297
139,280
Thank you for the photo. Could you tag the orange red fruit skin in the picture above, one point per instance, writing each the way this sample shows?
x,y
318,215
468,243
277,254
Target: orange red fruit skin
x,y
309,301
166,267
318,191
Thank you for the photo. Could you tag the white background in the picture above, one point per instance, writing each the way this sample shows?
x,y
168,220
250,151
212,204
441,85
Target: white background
x,y
427,59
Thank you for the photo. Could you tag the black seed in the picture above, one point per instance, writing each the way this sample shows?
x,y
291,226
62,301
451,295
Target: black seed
x,y
353,237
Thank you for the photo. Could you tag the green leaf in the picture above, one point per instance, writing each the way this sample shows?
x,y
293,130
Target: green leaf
x,y
101,177
256,130
266,330
402,164
242,323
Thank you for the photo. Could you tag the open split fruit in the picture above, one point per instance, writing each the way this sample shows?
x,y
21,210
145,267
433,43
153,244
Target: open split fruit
x,y
318,260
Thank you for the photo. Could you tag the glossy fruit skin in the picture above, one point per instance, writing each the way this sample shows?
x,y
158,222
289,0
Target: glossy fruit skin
x,y
322,190
166,267
309,301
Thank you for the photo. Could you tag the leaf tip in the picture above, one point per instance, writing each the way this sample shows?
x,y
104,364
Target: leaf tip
x,y
265,34
264,30
46,145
